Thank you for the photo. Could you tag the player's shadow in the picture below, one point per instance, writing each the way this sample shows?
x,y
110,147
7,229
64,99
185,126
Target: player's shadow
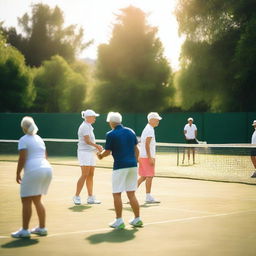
x,y
114,236
129,209
20,243
145,205
79,208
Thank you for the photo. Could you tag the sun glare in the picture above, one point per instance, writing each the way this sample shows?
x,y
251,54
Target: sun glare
x,y
98,16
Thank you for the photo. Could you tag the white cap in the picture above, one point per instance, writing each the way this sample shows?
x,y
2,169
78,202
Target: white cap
x,y
254,123
114,117
190,119
88,112
154,115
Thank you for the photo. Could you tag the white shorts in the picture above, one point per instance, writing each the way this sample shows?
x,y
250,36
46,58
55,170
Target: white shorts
x,y
124,179
36,182
86,158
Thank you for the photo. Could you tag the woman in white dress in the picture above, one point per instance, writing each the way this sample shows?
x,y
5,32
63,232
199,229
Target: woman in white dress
x,y
87,148
36,179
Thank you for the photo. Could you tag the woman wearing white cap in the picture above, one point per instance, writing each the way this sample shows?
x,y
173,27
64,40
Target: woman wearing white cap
x,y
86,156
253,152
148,154
36,179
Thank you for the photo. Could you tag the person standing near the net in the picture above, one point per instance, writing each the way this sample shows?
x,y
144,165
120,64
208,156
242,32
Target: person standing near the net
x,y
148,155
36,179
253,152
190,132
86,156
122,143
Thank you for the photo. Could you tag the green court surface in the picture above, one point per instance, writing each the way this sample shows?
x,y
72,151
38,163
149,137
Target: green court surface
x,y
194,218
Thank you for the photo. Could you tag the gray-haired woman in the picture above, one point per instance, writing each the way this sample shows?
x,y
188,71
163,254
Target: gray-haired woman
x,y
36,179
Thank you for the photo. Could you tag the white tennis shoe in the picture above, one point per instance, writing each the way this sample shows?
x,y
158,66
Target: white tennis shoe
x,y
77,200
151,200
117,224
92,200
253,174
22,233
136,222
39,231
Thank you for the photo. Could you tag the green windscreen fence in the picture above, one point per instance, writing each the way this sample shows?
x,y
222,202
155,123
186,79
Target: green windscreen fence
x,y
212,127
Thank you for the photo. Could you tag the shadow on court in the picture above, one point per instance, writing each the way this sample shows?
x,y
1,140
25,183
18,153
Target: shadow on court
x,y
148,205
129,209
20,243
114,236
79,208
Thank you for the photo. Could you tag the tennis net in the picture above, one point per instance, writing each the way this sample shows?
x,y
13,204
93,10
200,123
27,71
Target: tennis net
x,y
215,162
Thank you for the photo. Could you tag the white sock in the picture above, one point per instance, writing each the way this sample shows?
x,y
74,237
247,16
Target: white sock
x,y
136,219
119,220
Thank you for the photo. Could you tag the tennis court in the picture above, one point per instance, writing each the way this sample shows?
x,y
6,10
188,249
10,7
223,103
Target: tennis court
x,y
194,218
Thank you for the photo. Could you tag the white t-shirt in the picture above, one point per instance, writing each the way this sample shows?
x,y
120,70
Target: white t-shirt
x,y
35,152
84,130
190,135
148,132
254,137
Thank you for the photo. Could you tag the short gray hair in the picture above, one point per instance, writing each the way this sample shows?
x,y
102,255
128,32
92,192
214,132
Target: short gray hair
x,y
28,125
114,117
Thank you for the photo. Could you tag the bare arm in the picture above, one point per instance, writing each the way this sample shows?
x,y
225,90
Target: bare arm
x,y
136,152
195,133
185,132
103,154
89,142
21,163
147,146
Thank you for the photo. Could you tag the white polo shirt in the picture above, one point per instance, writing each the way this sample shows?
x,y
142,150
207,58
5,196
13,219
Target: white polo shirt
x,y
84,130
35,152
254,137
190,135
148,132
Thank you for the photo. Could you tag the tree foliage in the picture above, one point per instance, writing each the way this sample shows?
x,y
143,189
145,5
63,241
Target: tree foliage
x,y
44,36
219,54
17,90
133,74
60,88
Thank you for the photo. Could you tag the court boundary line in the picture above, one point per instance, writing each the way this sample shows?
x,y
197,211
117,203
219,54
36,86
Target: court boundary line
x,y
146,224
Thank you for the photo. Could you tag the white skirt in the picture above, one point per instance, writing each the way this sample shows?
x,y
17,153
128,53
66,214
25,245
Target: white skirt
x,y
86,158
36,182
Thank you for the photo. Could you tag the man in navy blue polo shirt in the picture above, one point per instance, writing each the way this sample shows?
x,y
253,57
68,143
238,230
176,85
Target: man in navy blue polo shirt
x,y
122,143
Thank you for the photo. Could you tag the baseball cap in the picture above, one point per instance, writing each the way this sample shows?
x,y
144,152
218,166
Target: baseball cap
x,y
114,117
88,112
154,115
254,123
190,119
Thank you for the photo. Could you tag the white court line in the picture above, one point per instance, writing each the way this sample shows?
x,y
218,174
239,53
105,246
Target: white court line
x,y
147,224
186,210
198,217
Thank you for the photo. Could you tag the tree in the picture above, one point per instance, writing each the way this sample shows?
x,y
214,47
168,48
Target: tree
x,y
218,55
133,74
44,36
59,87
17,90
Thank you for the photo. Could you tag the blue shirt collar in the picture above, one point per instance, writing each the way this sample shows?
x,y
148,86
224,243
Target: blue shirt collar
x,y
118,126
